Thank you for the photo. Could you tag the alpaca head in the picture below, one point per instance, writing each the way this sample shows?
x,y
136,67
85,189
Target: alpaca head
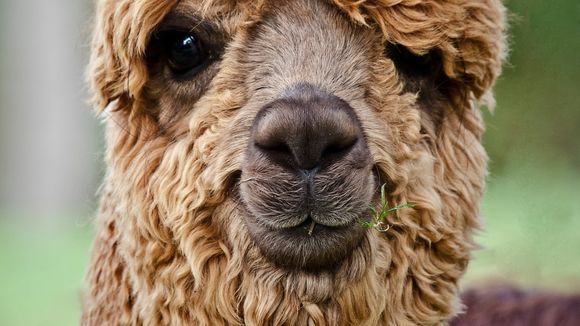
x,y
247,140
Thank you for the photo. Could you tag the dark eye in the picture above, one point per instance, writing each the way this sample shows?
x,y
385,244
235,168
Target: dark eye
x,y
184,52
409,63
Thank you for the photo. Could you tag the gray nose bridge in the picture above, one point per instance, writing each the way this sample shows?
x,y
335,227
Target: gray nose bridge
x,y
309,41
319,52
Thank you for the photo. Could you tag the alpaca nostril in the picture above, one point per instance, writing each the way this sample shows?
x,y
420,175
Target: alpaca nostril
x,y
339,148
306,129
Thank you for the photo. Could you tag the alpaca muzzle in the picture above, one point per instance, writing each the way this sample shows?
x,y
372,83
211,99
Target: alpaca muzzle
x,y
307,175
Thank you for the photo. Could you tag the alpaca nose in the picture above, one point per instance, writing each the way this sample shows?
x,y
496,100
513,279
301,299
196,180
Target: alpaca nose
x,y
306,130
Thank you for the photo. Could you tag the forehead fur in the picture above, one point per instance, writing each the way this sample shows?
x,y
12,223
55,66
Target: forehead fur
x,y
467,33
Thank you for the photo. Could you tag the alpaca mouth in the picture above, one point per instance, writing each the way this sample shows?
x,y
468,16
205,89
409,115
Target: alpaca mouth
x,y
309,246
309,225
312,224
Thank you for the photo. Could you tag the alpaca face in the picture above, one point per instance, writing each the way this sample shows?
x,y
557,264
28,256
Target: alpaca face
x,y
307,175
247,140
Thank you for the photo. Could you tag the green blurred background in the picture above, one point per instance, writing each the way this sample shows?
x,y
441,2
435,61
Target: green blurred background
x,y
51,154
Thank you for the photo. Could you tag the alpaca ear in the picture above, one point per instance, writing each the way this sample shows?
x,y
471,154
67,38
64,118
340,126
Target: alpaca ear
x,y
481,48
117,70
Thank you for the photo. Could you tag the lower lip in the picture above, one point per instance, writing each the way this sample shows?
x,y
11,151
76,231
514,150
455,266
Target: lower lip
x,y
307,229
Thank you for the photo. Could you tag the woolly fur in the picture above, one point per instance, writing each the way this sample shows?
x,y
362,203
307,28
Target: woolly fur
x,y
170,248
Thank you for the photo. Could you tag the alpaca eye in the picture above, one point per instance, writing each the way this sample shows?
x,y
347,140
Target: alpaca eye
x,y
184,52
409,63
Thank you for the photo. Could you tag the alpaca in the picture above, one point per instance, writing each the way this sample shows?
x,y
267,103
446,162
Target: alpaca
x,y
246,141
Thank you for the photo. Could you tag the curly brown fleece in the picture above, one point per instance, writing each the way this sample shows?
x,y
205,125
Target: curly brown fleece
x,y
171,247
